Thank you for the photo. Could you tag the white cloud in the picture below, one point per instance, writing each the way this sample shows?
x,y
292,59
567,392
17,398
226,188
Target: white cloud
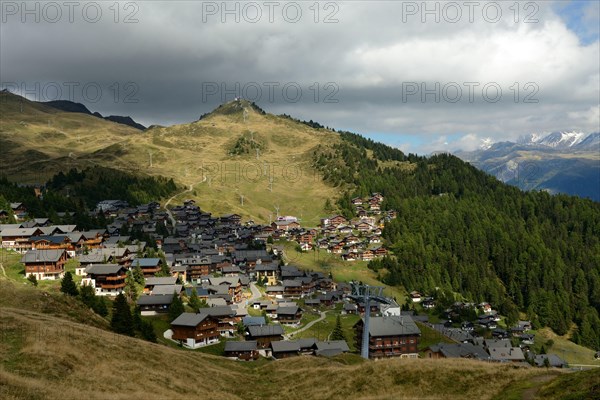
x,y
369,54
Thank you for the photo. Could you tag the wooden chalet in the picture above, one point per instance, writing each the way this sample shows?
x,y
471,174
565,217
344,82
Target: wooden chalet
x,y
393,336
264,335
149,266
45,264
289,315
152,304
195,330
106,279
246,350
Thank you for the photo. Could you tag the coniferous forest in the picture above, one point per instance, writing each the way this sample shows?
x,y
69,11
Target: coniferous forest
x,y
461,230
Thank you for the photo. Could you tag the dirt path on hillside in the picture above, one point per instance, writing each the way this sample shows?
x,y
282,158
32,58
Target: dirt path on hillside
x,y
321,318
538,381
173,222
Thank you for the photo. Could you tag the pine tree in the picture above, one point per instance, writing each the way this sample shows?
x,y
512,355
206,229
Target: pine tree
x,y
130,289
67,285
122,321
147,331
338,331
138,274
194,301
176,308
87,295
136,316
100,306
31,278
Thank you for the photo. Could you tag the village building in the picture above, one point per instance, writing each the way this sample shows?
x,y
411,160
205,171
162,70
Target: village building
x,y
390,337
45,264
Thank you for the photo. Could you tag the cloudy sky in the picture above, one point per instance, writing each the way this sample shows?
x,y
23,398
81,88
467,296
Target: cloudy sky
x,y
420,76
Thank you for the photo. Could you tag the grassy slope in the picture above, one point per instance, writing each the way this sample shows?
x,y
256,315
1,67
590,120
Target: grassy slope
x,y
53,347
564,348
342,271
42,138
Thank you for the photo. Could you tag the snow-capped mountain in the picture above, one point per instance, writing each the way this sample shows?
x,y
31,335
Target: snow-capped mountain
x,y
565,162
556,140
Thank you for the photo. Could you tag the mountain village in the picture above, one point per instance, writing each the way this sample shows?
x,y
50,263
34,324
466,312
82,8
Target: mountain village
x,y
251,298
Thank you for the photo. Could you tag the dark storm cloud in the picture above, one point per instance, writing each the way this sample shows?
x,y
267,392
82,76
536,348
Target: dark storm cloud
x,y
353,73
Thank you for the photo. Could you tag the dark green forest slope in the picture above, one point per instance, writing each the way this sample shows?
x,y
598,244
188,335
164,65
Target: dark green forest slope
x,y
462,230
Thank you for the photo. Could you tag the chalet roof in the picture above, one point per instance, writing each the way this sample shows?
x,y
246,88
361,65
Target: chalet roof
x,y
95,257
42,255
333,345
248,345
284,346
228,280
146,262
274,288
289,310
103,269
48,238
10,226
166,289
291,283
460,350
19,231
167,280
219,311
392,325
265,330
189,319
253,321
553,360
506,353
217,302
266,267
151,300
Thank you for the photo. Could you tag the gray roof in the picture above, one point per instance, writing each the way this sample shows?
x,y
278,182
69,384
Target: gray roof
x,y
285,346
92,258
391,326
18,231
167,280
248,345
249,320
307,342
42,256
287,310
274,288
167,289
266,267
460,350
553,359
103,269
265,330
333,345
151,300
189,319
218,311
506,353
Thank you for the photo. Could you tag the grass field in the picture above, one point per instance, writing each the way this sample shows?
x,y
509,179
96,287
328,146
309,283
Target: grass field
x,y
196,154
342,271
322,329
53,347
565,349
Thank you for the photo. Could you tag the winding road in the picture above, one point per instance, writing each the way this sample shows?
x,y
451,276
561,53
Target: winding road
x,y
173,222
289,336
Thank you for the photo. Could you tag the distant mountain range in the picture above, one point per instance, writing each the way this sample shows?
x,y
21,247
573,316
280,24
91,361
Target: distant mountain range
x,y
70,106
559,162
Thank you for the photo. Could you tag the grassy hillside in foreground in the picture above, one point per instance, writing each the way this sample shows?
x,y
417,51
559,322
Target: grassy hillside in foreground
x,y
48,354
216,156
